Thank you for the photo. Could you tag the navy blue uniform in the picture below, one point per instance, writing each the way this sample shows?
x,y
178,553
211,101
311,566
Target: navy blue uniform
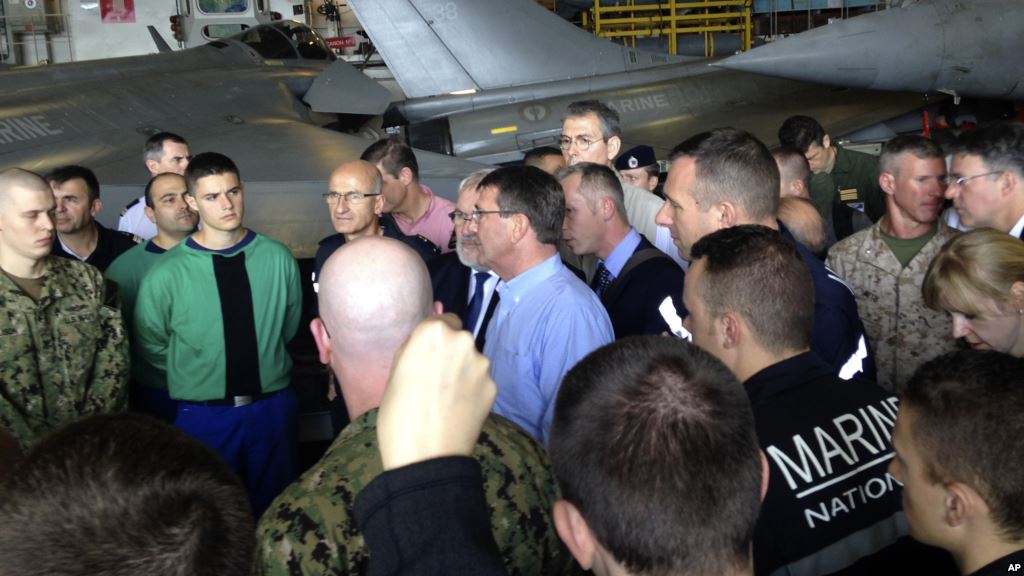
x,y
837,336
632,298
830,499
109,245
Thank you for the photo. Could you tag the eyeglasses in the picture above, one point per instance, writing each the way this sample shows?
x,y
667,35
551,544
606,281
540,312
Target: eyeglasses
x,y
350,197
476,214
961,180
583,143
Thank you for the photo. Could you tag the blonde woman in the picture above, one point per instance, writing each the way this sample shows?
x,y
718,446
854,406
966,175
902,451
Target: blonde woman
x,y
978,277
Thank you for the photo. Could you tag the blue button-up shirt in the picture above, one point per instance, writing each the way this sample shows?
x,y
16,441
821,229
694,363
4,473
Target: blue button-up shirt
x,y
622,252
547,320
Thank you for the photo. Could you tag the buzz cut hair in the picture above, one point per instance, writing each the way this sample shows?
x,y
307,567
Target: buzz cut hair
x,y
755,272
733,166
124,494
653,441
968,410
918,146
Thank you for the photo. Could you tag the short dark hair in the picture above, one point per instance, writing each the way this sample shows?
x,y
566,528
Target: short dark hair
x,y
124,494
606,116
597,180
67,173
919,146
800,132
754,271
153,149
792,164
653,441
392,154
208,164
1000,145
968,409
733,166
533,157
534,193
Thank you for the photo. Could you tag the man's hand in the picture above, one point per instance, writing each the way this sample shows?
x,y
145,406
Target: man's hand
x,y
438,396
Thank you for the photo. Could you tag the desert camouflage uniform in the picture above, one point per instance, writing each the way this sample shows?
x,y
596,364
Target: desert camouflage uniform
x,y
61,358
311,527
903,332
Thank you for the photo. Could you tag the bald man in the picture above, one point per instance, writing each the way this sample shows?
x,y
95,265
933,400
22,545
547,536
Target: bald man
x,y
63,352
355,202
366,314
805,223
166,208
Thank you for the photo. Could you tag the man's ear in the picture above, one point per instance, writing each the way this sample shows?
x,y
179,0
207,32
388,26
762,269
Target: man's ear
x,y
405,175
95,207
520,226
765,474
729,329
962,503
606,208
614,144
826,141
378,205
150,214
152,166
191,201
1007,182
322,339
727,215
887,182
575,533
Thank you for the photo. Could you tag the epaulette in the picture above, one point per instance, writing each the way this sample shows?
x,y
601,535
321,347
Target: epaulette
x,y
426,240
134,237
129,206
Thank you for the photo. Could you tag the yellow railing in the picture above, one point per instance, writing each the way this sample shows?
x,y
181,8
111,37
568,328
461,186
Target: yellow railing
x,y
632,21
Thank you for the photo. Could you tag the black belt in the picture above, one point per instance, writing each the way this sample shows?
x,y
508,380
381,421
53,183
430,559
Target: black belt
x,y
236,401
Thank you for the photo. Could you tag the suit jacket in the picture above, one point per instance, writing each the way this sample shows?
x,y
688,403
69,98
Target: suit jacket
x,y
632,298
450,280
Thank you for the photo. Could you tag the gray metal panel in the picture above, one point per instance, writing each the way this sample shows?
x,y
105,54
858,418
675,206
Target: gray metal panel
x,y
420,61
341,89
969,48
498,43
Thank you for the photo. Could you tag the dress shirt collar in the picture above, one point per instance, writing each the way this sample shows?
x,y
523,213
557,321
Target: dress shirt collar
x,y
623,251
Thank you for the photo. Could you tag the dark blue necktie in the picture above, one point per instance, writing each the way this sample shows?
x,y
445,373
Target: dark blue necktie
x,y
601,279
477,303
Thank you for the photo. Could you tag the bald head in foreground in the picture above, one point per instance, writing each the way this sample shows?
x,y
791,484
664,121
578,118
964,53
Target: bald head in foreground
x,y
373,293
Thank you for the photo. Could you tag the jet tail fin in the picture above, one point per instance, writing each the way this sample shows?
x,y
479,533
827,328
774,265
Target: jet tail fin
x,y
442,46
161,44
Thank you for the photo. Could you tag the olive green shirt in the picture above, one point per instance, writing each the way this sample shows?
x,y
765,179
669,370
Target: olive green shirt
x,y
311,527
853,180
63,356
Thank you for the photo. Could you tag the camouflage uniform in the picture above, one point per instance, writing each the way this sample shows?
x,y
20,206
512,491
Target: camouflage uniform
x,y
903,332
63,357
311,527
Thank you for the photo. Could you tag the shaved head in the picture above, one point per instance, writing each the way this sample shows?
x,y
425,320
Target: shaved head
x,y
17,178
373,292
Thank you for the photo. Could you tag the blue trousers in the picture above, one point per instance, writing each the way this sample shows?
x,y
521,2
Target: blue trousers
x,y
258,441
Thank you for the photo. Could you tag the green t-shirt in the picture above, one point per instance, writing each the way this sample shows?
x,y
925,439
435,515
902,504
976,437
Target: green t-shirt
x,y
906,248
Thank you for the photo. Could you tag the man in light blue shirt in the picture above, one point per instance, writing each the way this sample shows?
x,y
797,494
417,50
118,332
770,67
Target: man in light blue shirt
x,y
547,319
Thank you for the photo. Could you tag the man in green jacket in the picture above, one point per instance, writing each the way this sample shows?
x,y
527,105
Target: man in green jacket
x,y
838,174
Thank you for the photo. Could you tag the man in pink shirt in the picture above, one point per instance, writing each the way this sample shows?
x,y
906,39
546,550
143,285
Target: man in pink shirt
x,y
415,208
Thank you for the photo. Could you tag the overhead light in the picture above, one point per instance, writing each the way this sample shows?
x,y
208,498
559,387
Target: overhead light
x,y
463,92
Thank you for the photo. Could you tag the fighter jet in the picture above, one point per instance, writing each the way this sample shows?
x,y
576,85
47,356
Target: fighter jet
x,y
524,65
950,46
260,97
